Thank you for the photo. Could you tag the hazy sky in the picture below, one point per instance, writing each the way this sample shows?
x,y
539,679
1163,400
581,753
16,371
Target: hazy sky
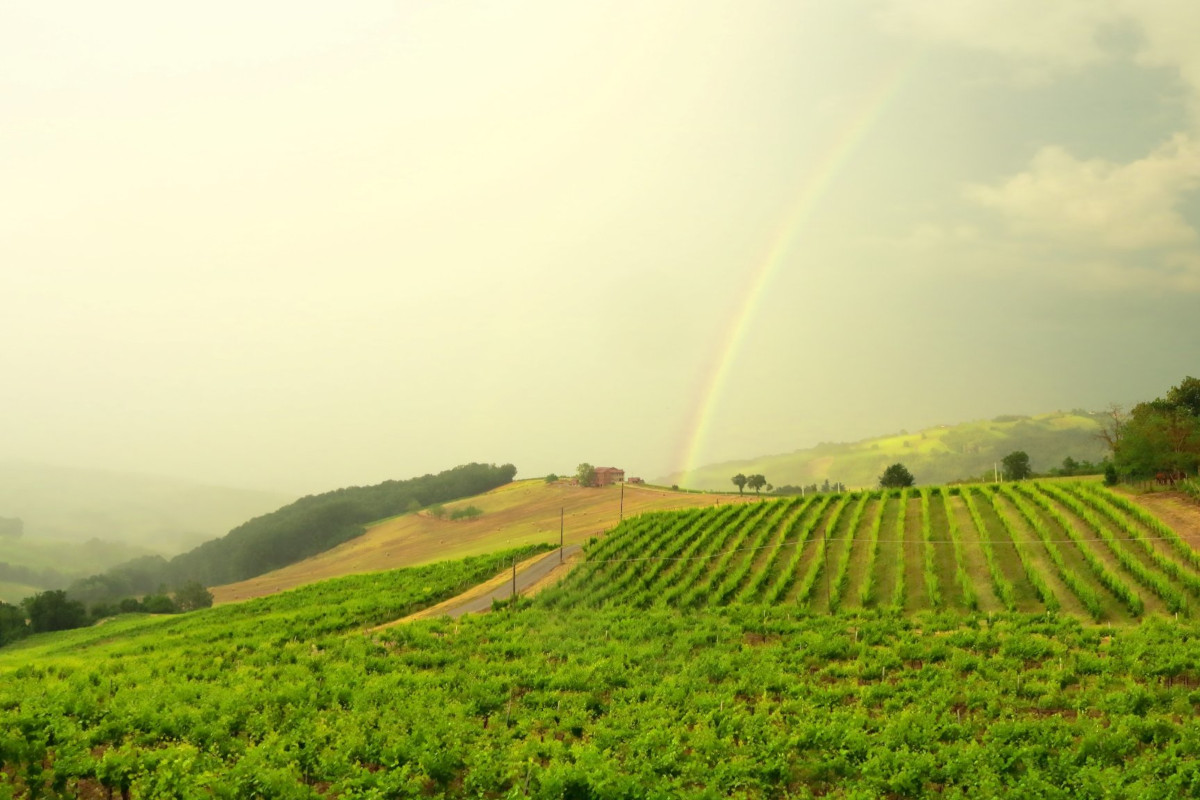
x,y
303,245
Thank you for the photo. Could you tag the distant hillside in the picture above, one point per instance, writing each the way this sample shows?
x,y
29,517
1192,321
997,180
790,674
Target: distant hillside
x,y
161,514
292,533
935,456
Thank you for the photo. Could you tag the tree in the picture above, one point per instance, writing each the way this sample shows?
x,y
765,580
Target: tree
x,y
12,624
159,604
740,481
585,473
1186,396
192,595
551,478
54,611
756,482
896,476
1162,435
1016,466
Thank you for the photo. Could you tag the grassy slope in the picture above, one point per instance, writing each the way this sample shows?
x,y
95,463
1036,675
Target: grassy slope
x,y
514,515
935,455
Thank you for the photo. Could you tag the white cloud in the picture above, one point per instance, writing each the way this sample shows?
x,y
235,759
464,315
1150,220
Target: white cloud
x,y
1100,203
1117,223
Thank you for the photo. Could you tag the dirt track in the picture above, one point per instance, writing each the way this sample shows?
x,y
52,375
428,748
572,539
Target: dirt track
x,y
532,576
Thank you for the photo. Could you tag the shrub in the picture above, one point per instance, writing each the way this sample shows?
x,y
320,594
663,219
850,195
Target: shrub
x,y
470,512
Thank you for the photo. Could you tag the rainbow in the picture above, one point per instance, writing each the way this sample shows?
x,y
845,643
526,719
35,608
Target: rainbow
x,y
870,109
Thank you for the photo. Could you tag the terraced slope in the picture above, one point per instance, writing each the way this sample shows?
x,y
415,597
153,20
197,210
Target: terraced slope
x,y
1031,547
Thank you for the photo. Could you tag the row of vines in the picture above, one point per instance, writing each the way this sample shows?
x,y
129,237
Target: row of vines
x,y
1031,547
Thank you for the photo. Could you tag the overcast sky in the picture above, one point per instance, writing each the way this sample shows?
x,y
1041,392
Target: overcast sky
x,y
303,245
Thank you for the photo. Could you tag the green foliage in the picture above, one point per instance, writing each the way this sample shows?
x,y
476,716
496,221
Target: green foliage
x,y
304,528
1016,466
468,512
585,473
795,551
746,701
54,611
551,478
1162,435
12,624
192,596
896,476
756,482
740,481
158,604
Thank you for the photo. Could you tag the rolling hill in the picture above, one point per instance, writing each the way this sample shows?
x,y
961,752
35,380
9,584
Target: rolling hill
x,y
937,455
514,515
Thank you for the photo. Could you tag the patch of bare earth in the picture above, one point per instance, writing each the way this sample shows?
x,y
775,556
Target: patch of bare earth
x,y
1175,509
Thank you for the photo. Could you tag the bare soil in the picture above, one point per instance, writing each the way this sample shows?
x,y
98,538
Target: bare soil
x,y
1175,509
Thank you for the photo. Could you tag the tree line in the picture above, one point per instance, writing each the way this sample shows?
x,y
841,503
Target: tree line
x,y
309,526
54,610
1157,436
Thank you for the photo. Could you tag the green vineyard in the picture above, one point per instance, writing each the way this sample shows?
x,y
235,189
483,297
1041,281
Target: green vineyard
x,y
1027,547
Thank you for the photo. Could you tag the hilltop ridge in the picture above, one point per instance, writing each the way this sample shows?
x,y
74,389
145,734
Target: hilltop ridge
x,y
935,455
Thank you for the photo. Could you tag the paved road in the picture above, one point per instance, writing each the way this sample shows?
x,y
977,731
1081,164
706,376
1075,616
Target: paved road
x,y
525,578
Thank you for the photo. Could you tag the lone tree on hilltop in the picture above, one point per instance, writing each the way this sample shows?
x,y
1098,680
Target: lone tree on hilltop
x,y
756,482
896,476
1016,466
585,473
740,481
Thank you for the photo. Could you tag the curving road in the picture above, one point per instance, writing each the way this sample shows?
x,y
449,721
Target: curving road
x,y
525,578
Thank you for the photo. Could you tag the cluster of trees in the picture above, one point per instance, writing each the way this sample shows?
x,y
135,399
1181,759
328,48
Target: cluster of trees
x,y
1016,466
1070,468
755,482
55,610
812,488
301,529
1161,435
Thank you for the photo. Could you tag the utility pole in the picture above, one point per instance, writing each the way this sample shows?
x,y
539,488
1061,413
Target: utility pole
x,y
995,472
514,589
622,516
561,514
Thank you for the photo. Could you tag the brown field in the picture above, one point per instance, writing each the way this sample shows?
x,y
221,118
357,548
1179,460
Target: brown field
x,y
1177,510
520,513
